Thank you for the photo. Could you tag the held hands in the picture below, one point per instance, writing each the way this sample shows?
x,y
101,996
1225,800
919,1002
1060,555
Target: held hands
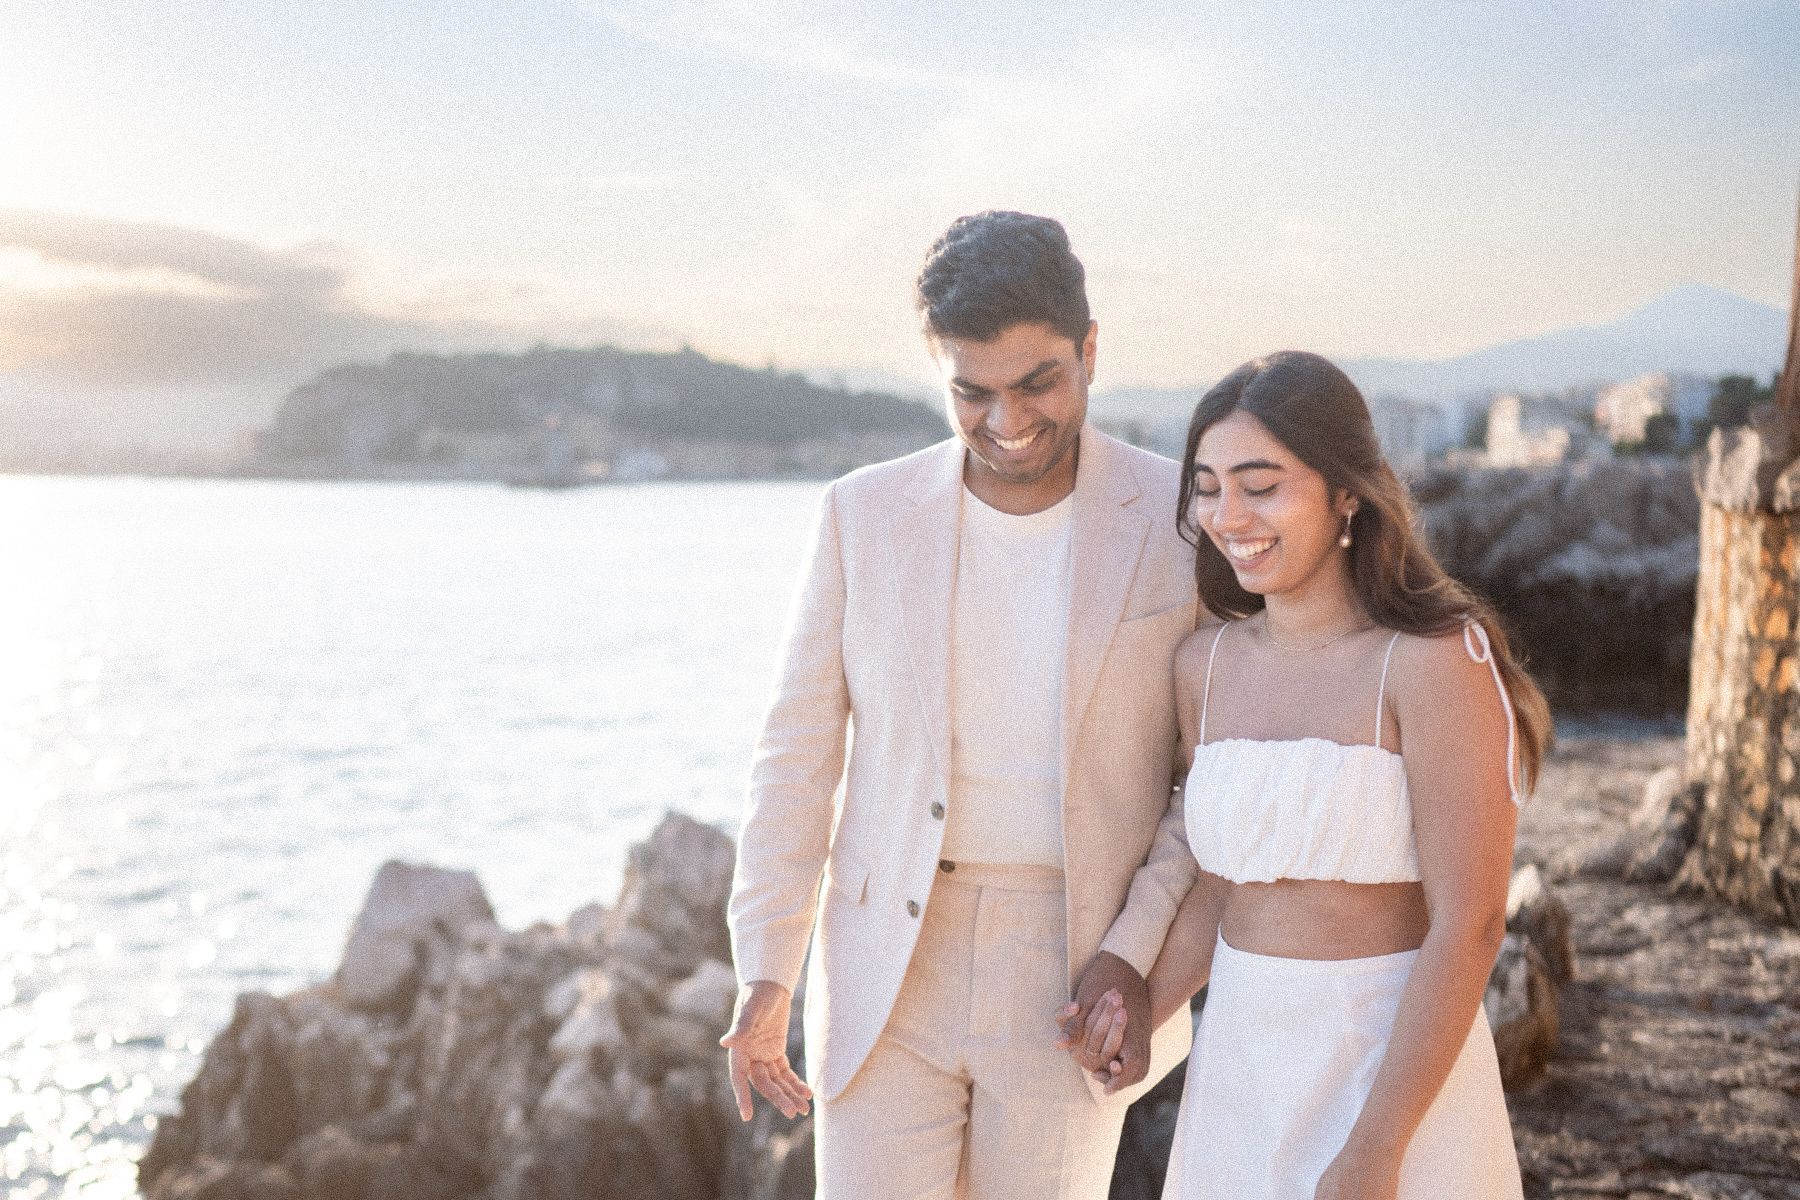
x,y
758,1050
1107,1026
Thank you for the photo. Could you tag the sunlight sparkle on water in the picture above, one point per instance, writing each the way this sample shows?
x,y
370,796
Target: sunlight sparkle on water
x,y
223,705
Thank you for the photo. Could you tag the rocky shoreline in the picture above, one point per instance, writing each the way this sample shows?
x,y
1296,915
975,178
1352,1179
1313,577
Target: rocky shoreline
x,y
1677,1070
1651,1044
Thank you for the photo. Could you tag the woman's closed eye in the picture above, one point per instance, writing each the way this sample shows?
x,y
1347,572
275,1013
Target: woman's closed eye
x,y
1214,494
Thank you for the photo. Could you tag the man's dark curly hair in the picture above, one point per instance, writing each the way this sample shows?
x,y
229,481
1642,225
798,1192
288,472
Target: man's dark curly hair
x,y
995,270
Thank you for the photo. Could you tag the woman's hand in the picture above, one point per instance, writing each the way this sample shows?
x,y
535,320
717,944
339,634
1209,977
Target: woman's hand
x,y
1086,1023
1361,1173
1098,1041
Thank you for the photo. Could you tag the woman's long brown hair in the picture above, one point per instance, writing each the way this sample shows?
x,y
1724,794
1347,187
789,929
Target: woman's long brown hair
x,y
1313,409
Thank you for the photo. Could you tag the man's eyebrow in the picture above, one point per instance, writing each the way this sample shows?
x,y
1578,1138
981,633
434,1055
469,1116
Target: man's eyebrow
x,y
1026,380
1255,464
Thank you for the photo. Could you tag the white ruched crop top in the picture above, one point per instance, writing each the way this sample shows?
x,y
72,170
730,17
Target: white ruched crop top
x,y
1310,808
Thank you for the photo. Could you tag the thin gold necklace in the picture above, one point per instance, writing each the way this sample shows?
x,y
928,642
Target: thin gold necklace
x,y
1269,632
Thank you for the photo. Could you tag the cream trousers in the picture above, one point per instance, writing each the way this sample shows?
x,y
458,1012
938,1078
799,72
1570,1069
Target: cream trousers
x,y
966,1095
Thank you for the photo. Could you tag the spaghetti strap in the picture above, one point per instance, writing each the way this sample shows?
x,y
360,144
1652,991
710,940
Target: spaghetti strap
x,y
1206,693
1381,691
1475,641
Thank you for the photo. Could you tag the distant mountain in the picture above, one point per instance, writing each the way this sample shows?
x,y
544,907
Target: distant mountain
x,y
1693,329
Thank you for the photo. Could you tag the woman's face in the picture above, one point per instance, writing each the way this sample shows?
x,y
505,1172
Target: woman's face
x,y
1272,516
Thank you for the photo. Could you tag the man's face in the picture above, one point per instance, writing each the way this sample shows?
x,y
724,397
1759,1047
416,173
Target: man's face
x,y
1018,402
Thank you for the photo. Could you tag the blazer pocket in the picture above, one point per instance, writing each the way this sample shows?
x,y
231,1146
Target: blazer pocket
x,y
847,878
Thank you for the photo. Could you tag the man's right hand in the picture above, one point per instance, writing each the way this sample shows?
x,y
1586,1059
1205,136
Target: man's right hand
x,y
758,1050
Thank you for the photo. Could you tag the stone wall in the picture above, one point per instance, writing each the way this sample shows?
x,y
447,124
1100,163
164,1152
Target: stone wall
x,y
1744,704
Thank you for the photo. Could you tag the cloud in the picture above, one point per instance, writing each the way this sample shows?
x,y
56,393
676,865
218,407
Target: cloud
x,y
258,317
129,247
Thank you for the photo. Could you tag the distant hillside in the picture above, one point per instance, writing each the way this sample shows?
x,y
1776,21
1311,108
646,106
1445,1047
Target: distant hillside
x,y
1693,330
596,412
1690,330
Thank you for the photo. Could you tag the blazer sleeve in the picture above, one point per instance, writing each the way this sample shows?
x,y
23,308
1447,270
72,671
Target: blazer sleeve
x,y
794,776
1160,885
1157,890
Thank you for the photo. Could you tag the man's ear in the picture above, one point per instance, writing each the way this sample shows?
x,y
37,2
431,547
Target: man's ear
x,y
1087,348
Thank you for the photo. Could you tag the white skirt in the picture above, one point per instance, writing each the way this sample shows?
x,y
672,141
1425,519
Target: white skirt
x,y
1283,1060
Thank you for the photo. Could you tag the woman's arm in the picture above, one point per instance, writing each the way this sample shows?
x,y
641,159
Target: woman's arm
x,y
1185,963
1454,737
1181,969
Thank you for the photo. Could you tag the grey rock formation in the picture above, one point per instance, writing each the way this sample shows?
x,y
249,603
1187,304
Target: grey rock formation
x,y
449,1059
1653,844
579,1060
1534,960
409,924
1592,565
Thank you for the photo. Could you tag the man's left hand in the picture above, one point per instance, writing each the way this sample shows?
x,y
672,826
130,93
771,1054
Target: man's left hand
x,y
1086,1026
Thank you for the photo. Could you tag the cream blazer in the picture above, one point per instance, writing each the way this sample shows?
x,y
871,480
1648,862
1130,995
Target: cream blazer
x,y
867,649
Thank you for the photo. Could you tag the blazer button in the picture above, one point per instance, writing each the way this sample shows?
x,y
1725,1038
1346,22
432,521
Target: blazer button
x,y
912,908
937,810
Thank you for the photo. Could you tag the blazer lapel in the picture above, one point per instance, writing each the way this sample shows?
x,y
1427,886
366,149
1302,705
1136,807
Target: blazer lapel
x,y
927,529
1106,541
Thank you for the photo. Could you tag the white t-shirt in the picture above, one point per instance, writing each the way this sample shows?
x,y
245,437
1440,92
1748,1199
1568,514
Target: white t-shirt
x,y
1009,638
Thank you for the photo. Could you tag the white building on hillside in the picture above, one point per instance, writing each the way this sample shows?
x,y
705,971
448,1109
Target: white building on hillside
x,y
1622,410
1529,432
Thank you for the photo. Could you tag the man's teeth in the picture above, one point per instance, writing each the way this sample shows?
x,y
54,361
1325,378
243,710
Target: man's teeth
x,y
1015,443
1250,549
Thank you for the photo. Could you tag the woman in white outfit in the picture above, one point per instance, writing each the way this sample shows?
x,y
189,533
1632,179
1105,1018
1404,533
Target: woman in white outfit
x,y
1360,738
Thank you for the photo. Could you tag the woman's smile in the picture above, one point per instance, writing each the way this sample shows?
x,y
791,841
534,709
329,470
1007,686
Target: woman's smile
x,y
1248,553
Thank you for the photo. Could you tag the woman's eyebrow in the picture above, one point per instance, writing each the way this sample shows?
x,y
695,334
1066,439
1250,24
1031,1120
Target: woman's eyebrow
x,y
1255,464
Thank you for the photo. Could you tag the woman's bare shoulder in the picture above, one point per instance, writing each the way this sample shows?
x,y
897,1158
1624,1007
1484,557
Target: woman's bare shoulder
x,y
1439,671
1197,645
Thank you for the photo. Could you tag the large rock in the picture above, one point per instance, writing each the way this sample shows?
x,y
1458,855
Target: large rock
x,y
1592,565
1536,912
453,1060
410,921
1535,959
1521,1008
1655,842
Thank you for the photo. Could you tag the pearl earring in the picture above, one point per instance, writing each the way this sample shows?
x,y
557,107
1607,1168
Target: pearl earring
x,y
1344,537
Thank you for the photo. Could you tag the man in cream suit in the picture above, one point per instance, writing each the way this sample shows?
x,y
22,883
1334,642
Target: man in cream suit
x,y
995,619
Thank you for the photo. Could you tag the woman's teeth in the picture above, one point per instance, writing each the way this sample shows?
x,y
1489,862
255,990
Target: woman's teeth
x,y
1249,550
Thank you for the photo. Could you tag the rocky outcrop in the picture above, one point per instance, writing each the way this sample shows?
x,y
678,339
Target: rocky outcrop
x,y
1678,1063
1592,565
1535,960
449,1059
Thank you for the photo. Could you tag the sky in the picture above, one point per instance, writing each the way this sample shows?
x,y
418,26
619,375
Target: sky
x,y
210,194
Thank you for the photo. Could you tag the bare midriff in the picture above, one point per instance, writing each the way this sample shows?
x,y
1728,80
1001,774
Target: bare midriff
x,y
1324,918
